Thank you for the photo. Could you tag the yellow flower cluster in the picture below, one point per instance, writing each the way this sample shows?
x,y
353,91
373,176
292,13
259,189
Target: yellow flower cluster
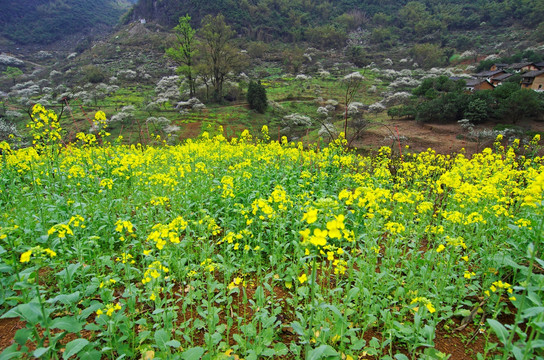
x,y
37,251
154,271
425,302
159,200
109,282
208,265
169,232
108,310
101,123
44,127
335,229
211,225
86,139
106,183
61,229
277,203
227,185
499,286
124,225
77,221
125,258
236,282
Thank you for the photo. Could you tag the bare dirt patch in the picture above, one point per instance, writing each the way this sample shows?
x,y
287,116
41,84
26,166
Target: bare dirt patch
x,y
442,138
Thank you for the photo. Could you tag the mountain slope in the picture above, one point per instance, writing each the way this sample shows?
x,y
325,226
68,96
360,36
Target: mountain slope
x,y
295,20
45,21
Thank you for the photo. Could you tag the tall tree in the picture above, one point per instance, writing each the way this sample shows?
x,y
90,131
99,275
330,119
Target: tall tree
x,y
220,57
184,51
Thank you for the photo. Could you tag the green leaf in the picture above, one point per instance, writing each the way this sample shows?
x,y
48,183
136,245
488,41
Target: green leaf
x,y
297,328
74,347
499,330
173,343
280,349
239,340
91,354
533,311
92,327
39,352
91,309
358,344
161,338
462,312
30,312
71,269
22,336
193,353
66,299
68,323
268,352
322,352
10,353
401,357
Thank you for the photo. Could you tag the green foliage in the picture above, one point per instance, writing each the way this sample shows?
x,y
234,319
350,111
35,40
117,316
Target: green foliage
x,y
257,49
477,111
521,104
219,57
430,87
384,37
327,36
527,55
93,74
293,58
12,73
185,51
428,55
539,32
28,21
357,56
448,107
446,100
322,21
256,97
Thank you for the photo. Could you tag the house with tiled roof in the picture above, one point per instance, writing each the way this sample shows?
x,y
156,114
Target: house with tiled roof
x,y
533,80
478,84
540,65
499,79
495,67
488,75
523,67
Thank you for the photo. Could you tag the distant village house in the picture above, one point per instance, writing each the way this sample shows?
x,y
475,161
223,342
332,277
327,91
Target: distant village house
x,y
488,75
523,67
498,80
478,84
533,80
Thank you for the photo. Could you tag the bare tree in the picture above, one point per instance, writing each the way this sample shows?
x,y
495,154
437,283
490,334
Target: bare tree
x,y
220,57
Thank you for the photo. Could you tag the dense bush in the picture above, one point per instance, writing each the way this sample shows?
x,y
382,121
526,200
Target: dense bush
x,y
445,100
256,97
93,74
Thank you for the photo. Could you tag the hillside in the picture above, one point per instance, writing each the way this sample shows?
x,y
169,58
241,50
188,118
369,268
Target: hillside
x,y
326,22
46,21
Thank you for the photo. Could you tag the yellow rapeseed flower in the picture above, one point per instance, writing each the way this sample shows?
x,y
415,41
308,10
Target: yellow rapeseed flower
x,y
25,257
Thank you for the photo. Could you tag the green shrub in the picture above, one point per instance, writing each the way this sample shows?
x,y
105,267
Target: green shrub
x,y
93,74
256,97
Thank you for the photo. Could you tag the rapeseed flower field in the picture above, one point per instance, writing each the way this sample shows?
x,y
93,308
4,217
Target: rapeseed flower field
x,y
251,248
